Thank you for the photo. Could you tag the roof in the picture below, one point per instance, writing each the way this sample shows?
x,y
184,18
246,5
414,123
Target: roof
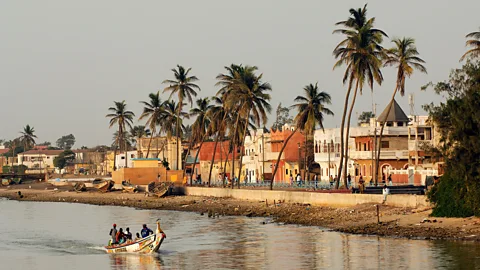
x,y
3,151
42,152
396,114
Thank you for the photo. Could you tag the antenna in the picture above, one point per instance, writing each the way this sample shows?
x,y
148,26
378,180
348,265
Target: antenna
x,y
411,102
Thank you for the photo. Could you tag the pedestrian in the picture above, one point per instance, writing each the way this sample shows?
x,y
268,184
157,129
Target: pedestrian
x,y
315,180
291,179
331,180
390,183
299,180
385,193
361,184
349,180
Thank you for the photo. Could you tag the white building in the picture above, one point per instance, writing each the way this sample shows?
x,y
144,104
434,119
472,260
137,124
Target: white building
x,y
38,159
122,161
258,154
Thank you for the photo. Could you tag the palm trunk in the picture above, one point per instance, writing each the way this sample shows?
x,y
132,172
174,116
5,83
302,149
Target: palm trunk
x,y
342,139
177,135
379,144
279,157
225,166
190,146
149,144
241,151
213,158
348,133
198,152
234,136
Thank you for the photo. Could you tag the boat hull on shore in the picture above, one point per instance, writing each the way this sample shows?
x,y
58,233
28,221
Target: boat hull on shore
x,y
149,244
103,185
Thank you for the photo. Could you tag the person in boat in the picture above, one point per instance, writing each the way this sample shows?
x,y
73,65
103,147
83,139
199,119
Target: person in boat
x,y
137,237
120,238
113,234
146,231
128,234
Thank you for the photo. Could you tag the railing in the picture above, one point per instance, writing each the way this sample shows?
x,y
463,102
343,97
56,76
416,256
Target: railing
x,y
304,185
385,154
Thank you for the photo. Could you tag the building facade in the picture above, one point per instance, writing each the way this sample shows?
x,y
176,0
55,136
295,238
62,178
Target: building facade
x,y
163,148
38,159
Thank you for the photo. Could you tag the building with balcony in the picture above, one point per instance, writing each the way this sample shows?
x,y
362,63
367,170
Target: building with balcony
x,y
38,159
258,156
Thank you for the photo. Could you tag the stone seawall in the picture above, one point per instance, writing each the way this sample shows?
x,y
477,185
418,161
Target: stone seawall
x,y
313,198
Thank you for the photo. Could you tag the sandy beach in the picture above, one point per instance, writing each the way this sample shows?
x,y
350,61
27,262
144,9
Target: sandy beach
x,y
361,219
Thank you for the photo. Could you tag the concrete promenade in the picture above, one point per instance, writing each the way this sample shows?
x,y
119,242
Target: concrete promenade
x,y
313,198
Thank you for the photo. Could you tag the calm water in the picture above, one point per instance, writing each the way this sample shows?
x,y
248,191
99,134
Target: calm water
x,y
70,236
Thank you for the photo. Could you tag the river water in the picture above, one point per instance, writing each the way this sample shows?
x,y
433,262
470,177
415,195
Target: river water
x,y
52,236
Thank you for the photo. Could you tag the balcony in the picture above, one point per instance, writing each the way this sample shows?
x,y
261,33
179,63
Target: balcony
x,y
384,154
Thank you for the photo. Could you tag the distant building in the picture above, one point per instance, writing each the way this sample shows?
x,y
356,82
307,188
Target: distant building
x,y
38,159
258,156
125,160
162,148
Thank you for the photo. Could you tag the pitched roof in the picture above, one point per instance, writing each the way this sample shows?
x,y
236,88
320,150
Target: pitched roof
x,y
396,114
4,150
42,152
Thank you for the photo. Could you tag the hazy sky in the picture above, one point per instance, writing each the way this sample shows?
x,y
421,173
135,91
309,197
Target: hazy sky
x,y
63,63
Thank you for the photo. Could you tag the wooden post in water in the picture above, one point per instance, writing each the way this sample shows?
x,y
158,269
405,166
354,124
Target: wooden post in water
x,y
378,214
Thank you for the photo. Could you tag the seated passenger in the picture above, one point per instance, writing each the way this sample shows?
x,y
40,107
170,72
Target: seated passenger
x,y
146,231
128,234
120,237
137,237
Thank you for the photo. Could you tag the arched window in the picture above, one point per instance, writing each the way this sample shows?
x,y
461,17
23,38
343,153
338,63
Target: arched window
x,y
364,170
316,147
325,146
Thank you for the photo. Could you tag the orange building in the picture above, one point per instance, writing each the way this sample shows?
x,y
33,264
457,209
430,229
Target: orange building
x,y
292,155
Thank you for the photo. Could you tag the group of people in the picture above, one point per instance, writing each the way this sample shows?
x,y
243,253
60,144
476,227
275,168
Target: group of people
x,y
119,237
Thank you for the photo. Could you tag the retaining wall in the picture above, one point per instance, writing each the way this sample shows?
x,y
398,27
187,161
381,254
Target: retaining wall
x,y
313,198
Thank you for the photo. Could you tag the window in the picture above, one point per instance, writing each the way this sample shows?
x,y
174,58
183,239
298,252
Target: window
x,y
260,147
286,171
132,155
385,144
123,157
325,146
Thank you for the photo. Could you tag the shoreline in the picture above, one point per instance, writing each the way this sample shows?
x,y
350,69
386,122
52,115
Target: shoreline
x,y
360,219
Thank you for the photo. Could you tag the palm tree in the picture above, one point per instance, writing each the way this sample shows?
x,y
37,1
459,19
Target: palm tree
x,y
119,115
139,132
404,56
475,43
218,122
362,54
249,98
311,110
183,85
200,128
28,137
171,120
154,111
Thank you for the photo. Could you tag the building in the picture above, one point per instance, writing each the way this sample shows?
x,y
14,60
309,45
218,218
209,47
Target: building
x,y
258,156
38,159
222,162
163,148
89,162
292,158
125,160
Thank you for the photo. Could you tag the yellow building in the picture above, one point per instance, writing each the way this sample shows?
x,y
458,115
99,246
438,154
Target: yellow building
x,y
161,148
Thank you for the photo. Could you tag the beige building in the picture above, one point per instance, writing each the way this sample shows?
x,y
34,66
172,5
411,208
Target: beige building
x,y
162,148
38,159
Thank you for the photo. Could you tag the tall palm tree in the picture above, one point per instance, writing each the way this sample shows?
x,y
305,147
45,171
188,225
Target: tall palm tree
x,y
119,115
361,52
170,122
311,110
249,98
154,111
474,43
404,57
218,122
28,137
139,132
200,128
184,87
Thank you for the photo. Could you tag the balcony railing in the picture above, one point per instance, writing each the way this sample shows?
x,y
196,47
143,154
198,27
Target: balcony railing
x,y
384,154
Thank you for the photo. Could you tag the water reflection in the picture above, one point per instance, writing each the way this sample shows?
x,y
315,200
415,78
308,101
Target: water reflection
x,y
70,236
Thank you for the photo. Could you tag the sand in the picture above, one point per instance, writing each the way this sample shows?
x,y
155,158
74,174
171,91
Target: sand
x,y
361,219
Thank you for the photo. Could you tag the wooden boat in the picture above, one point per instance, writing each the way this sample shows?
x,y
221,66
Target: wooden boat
x,y
103,185
17,181
128,187
6,182
80,187
158,189
149,244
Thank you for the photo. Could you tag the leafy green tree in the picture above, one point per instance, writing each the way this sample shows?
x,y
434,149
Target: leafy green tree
x,y
48,144
184,87
66,142
405,58
365,117
361,52
474,42
310,113
62,160
282,117
458,120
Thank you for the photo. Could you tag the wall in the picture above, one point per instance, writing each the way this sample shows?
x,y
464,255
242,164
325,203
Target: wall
x,y
324,199
146,163
143,176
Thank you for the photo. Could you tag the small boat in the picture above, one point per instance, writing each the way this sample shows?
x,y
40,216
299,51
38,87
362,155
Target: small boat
x,y
17,181
103,185
158,189
128,187
79,187
149,244
6,182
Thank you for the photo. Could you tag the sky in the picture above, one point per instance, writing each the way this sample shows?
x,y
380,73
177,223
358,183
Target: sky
x,y
64,63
